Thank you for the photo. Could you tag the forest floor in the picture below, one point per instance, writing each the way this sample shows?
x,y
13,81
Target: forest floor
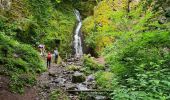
x,y
29,94
57,78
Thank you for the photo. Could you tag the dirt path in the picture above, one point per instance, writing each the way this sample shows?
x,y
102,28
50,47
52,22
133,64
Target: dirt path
x,y
100,60
5,94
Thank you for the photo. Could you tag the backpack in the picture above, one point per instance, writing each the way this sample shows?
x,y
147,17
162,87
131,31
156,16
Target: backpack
x,y
49,57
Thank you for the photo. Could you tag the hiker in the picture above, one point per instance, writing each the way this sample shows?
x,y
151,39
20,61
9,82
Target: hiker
x,y
49,56
42,49
55,55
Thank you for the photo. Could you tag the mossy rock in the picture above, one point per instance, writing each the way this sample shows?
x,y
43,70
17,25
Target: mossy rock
x,y
78,77
73,68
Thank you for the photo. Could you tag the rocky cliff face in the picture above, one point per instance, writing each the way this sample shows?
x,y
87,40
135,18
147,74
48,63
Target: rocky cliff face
x,y
5,4
166,7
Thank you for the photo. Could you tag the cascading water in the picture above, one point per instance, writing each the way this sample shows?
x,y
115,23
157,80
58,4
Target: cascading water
x,y
77,36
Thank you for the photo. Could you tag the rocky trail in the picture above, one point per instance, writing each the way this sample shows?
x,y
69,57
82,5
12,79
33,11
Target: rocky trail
x,y
69,81
69,77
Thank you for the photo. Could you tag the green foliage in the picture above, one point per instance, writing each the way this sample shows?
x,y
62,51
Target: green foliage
x,y
145,64
73,68
91,64
21,64
17,82
58,95
31,22
40,21
125,94
84,6
41,10
60,28
106,80
138,53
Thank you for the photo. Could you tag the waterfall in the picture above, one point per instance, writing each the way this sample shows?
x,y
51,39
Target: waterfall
x,y
77,36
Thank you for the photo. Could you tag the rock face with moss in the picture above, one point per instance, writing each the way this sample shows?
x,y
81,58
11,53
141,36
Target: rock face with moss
x,y
134,35
99,28
41,21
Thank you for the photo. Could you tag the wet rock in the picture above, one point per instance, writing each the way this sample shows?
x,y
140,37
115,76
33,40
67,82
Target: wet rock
x,y
78,77
67,72
46,86
53,74
70,86
69,60
89,97
100,97
77,59
90,78
162,20
63,64
52,85
81,87
78,63
73,97
71,72
70,63
72,59
59,80
16,55
91,85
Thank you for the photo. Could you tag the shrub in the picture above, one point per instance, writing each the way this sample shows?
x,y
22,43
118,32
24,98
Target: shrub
x,y
21,64
106,80
143,65
73,67
90,63
57,95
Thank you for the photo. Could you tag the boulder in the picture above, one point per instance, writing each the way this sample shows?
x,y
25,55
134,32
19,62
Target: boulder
x,y
91,85
90,78
46,86
59,80
70,63
99,97
70,87
78,77
81,87
79,63
52,73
